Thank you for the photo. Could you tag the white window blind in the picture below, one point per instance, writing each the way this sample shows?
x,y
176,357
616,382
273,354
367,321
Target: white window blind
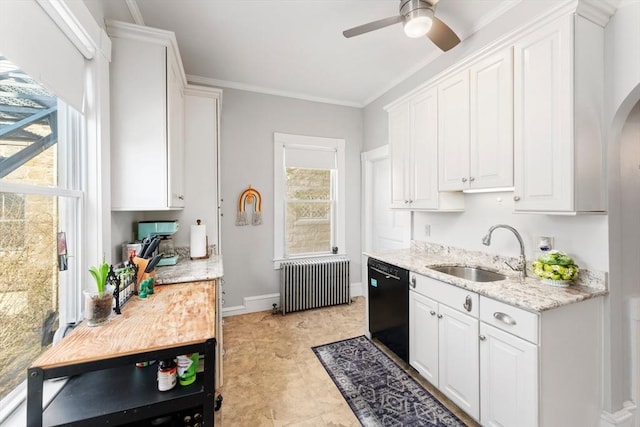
x,y
32,40
309,157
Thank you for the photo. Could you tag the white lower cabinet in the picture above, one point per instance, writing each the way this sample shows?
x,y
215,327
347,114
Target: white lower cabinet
x,y
443,342
503,365
508,379
458,359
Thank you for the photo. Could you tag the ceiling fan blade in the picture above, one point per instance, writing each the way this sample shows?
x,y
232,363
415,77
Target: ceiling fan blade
x,y
375,25
442,35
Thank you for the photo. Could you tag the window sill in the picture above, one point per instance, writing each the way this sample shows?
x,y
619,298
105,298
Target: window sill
x,y
14,406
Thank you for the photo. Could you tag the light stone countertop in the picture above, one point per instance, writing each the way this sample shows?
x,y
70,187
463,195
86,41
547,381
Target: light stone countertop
x,y
187,270
528,293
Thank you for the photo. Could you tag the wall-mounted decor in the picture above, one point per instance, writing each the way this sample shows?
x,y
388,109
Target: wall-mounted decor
x,y
250,196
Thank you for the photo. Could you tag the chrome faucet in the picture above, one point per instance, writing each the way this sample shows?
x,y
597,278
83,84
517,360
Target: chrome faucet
x,y
522,262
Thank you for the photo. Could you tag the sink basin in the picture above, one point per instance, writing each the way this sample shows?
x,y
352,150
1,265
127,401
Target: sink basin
x,y
473,274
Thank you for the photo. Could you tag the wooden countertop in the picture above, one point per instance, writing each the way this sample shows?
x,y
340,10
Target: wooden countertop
x,y
175,315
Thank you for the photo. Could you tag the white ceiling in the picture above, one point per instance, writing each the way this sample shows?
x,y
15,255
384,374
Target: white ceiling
x,y
295,47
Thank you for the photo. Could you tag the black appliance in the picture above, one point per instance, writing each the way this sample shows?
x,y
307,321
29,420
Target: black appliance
x,y
389,306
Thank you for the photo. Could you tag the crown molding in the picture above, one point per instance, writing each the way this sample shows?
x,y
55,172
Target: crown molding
x,y
597,11
268,91
132,5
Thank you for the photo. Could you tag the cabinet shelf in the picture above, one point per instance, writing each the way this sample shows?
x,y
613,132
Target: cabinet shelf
x,y
118,395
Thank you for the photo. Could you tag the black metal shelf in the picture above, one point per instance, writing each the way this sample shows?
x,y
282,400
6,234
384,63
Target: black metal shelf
x,y
113,391
118,395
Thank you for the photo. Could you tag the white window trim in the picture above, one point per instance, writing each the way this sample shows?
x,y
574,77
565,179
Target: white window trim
x,y
77,23
280,141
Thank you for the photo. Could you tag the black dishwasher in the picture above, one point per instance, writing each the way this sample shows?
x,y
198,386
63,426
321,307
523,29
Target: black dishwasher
x,y
389,306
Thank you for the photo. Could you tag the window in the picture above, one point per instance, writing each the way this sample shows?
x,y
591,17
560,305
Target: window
x,y
309,196
39,197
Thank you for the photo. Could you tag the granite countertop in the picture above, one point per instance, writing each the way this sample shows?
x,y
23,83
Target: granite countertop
x,y
187,270
528,293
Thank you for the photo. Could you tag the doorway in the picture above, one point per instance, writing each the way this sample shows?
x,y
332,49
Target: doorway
x,y
383,228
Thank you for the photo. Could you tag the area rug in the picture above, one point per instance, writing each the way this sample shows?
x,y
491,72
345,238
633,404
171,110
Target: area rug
x,y
378,391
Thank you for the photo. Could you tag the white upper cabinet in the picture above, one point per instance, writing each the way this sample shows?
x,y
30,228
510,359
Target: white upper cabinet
x,y
491,115
147,119
413,137
476,125
558,81
453,127
400,155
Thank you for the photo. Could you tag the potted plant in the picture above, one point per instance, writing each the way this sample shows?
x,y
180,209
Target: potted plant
x,y
98,303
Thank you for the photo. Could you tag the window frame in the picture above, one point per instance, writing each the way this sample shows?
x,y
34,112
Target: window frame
x,y
281,142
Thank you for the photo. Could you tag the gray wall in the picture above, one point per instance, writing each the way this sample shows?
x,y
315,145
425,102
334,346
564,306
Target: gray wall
x,y
248,123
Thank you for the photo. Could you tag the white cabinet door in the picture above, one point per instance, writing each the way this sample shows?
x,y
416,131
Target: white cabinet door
x,y
543,123
138,125
423,336
508,379
201,127
453,132
491,113
147,120
399,144
424,153
175,131
458,359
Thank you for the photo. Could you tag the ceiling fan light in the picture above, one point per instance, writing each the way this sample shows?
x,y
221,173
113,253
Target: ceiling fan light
x,y
417,23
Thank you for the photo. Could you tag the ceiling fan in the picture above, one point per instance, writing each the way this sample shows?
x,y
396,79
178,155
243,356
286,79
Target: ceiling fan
x,y
418,19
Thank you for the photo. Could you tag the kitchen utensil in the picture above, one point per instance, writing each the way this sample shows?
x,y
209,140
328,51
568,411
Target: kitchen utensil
x,y
152,264
155,241
143,247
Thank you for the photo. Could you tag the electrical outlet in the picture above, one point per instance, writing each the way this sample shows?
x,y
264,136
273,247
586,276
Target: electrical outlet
x,y
545,243
427,230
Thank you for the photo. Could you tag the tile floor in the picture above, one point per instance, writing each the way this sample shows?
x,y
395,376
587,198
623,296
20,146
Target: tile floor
x,y
272,378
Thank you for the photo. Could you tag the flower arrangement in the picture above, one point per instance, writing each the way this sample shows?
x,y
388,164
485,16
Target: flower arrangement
x,y
555,265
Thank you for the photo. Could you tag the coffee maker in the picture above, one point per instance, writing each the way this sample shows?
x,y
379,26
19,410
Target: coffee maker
x,y
164,230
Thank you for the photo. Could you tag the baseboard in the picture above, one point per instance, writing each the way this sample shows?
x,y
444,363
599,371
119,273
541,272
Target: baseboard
x,y
621,418
265,302
253,305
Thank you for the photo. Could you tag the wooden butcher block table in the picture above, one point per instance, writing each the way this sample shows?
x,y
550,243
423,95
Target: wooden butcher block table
x,y
105,387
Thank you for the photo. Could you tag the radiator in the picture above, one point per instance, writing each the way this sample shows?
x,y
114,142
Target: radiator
x,y
314,283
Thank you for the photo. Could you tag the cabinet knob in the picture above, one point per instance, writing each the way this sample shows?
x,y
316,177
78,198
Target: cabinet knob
x,y
464,179
439,316
516,198
471,178
433,313
482,338
406,201
413,282
181,197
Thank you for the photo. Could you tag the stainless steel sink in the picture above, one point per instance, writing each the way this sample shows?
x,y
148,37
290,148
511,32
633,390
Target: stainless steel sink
x,y
473,274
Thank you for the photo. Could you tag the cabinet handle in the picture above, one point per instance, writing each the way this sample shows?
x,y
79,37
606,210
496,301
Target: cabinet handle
x,y
516,198
406,201
439,316
467,303
433,313
413,282
471,178
482,338
464,179
504,318
181,197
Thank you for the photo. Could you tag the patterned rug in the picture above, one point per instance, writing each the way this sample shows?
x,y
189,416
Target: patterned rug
x,y
378,391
